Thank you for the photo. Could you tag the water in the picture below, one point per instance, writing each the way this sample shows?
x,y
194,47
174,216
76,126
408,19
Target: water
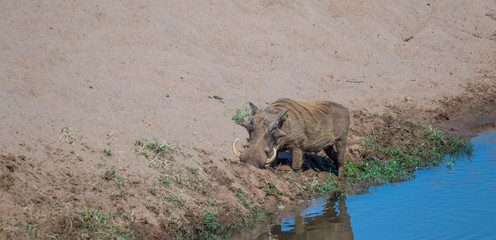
x,y
441,203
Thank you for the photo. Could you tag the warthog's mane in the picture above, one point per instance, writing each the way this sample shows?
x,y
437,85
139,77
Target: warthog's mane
x,y
303,111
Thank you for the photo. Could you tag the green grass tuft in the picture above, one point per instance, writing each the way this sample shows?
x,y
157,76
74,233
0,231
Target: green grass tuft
x,y
240,115
156,153
107,152
399,162
110,174
100,225
330,185
243,198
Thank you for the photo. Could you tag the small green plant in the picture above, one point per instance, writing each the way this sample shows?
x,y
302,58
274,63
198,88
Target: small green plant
x,y
152,191
240,115
351,169
193,171
259,215
210,226
290,180
122,194
158,148
209,221
154,147
210,202
272,191
226,108
164,180
173,199
66,135
388,116
479,112
109,174
107,152
140,142
450,165
476,32
33,232
169,175
100,225
330,185
156,153
198,186
243,198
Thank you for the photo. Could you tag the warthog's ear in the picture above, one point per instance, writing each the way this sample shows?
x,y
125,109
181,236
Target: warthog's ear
x,y
282,118
254,109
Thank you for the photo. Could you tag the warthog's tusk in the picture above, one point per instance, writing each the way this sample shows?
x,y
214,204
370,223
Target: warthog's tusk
x,y
236,152
271,159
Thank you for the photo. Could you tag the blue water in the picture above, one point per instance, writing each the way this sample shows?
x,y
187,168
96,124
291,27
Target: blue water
x,y
439,204
457,202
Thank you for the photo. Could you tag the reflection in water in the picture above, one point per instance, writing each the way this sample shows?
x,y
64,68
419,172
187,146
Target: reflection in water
x,y
323,219
453,202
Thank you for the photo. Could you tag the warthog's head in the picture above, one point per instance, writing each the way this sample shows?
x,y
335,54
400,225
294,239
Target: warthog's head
x,y
264,128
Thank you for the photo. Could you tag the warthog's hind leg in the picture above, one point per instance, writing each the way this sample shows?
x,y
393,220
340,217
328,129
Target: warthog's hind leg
x,y
337,156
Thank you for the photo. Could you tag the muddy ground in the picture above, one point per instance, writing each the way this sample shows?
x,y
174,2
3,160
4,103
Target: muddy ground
x,y
115,117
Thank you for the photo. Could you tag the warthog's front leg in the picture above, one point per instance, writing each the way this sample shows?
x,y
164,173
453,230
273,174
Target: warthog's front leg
x,y
297,159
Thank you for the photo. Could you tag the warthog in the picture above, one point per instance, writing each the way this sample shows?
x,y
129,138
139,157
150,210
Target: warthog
x,y
297,126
